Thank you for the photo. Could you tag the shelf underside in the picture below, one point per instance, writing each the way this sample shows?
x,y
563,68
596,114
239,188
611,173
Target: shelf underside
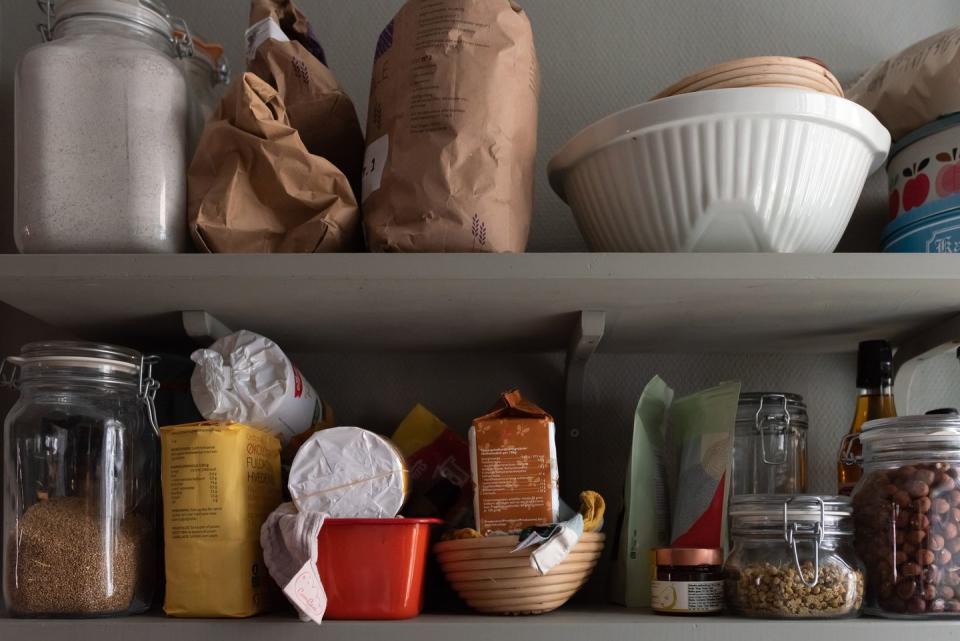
x,y
422,302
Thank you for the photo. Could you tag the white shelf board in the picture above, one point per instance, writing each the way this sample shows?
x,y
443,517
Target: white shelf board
x,y
564,625
424,302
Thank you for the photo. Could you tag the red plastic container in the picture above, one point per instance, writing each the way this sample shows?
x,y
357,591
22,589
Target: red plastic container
x,y
373,568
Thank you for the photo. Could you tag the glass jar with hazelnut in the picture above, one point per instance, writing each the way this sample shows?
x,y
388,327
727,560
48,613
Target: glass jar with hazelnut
x,y
907,516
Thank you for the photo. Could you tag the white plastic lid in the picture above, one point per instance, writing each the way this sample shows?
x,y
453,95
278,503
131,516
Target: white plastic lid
x,y
348,472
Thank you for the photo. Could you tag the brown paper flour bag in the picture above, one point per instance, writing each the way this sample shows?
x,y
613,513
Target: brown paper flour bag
x,y
914,87
254,187
452,129
282,49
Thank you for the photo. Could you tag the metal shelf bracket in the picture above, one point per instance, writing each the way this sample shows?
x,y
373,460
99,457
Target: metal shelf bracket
x,y
583,343
922,346
203,327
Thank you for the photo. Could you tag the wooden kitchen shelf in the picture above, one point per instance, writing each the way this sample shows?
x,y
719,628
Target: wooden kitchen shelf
x,y
423,302
608,623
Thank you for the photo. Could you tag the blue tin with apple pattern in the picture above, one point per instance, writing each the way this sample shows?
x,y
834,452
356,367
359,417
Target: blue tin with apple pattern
x,y
924,180
930,229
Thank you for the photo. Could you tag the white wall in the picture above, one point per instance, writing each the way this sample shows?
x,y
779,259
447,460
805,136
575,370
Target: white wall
x,y
597,56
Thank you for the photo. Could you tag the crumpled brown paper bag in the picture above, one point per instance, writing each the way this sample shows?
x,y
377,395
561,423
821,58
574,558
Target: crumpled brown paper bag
x,y
318,107
278,166
915,87
254,187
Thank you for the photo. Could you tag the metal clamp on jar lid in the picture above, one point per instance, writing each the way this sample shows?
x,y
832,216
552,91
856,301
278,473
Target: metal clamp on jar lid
x,y
770,444
773,417
148,14
211,56
798,519
77,362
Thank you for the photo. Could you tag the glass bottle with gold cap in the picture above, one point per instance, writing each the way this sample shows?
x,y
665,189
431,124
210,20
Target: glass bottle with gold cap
x,y
874,401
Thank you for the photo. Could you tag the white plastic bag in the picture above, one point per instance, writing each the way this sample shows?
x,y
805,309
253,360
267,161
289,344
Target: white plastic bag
x,y
245,377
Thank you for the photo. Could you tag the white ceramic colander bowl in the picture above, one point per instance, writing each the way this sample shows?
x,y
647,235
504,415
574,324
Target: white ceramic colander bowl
x,y
731,170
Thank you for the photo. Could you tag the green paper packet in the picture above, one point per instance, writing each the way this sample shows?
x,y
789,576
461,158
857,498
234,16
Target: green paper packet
x,y
693,434
645,522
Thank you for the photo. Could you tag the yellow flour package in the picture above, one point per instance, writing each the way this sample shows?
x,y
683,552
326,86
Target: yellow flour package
x,y
220,482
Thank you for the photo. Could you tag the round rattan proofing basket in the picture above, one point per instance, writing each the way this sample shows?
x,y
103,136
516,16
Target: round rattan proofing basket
x,y
492,579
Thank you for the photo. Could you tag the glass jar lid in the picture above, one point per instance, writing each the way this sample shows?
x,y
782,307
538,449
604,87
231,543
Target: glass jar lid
x,y
152,14
763,513
688,557
904,437
755,398
148,14
79,362
117,363
772,404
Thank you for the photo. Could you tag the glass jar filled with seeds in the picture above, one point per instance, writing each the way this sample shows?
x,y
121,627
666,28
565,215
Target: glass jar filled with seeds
x,y
80,511
793,558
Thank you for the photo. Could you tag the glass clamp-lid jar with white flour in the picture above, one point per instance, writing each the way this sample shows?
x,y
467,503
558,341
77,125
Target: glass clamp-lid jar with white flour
x,y
100,128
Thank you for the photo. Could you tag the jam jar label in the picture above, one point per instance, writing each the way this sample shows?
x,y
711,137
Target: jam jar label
x,y
687,596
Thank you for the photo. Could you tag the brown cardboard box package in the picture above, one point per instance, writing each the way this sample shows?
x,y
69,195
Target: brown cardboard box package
x,y
513,459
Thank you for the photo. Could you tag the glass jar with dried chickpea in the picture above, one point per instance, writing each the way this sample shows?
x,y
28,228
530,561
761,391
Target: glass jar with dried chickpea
x,y
907,513
793,558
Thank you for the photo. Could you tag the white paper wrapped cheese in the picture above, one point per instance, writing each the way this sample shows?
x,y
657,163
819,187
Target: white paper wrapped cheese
x,y
245,377
348,472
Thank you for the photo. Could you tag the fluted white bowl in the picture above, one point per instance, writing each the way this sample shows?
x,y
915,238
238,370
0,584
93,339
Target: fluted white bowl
x,y
731,170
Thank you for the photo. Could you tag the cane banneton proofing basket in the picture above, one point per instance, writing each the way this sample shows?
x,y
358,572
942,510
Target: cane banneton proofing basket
x,y
494,580
808,74
732,170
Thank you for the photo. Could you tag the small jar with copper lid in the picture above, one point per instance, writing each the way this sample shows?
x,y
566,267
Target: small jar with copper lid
x,y
689,581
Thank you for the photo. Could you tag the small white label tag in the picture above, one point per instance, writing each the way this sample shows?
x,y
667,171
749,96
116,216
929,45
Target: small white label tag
x,y
306,592
257,34
374,162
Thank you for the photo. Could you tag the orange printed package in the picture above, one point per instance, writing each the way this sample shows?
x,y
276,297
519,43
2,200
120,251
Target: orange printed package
x,y
513,460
